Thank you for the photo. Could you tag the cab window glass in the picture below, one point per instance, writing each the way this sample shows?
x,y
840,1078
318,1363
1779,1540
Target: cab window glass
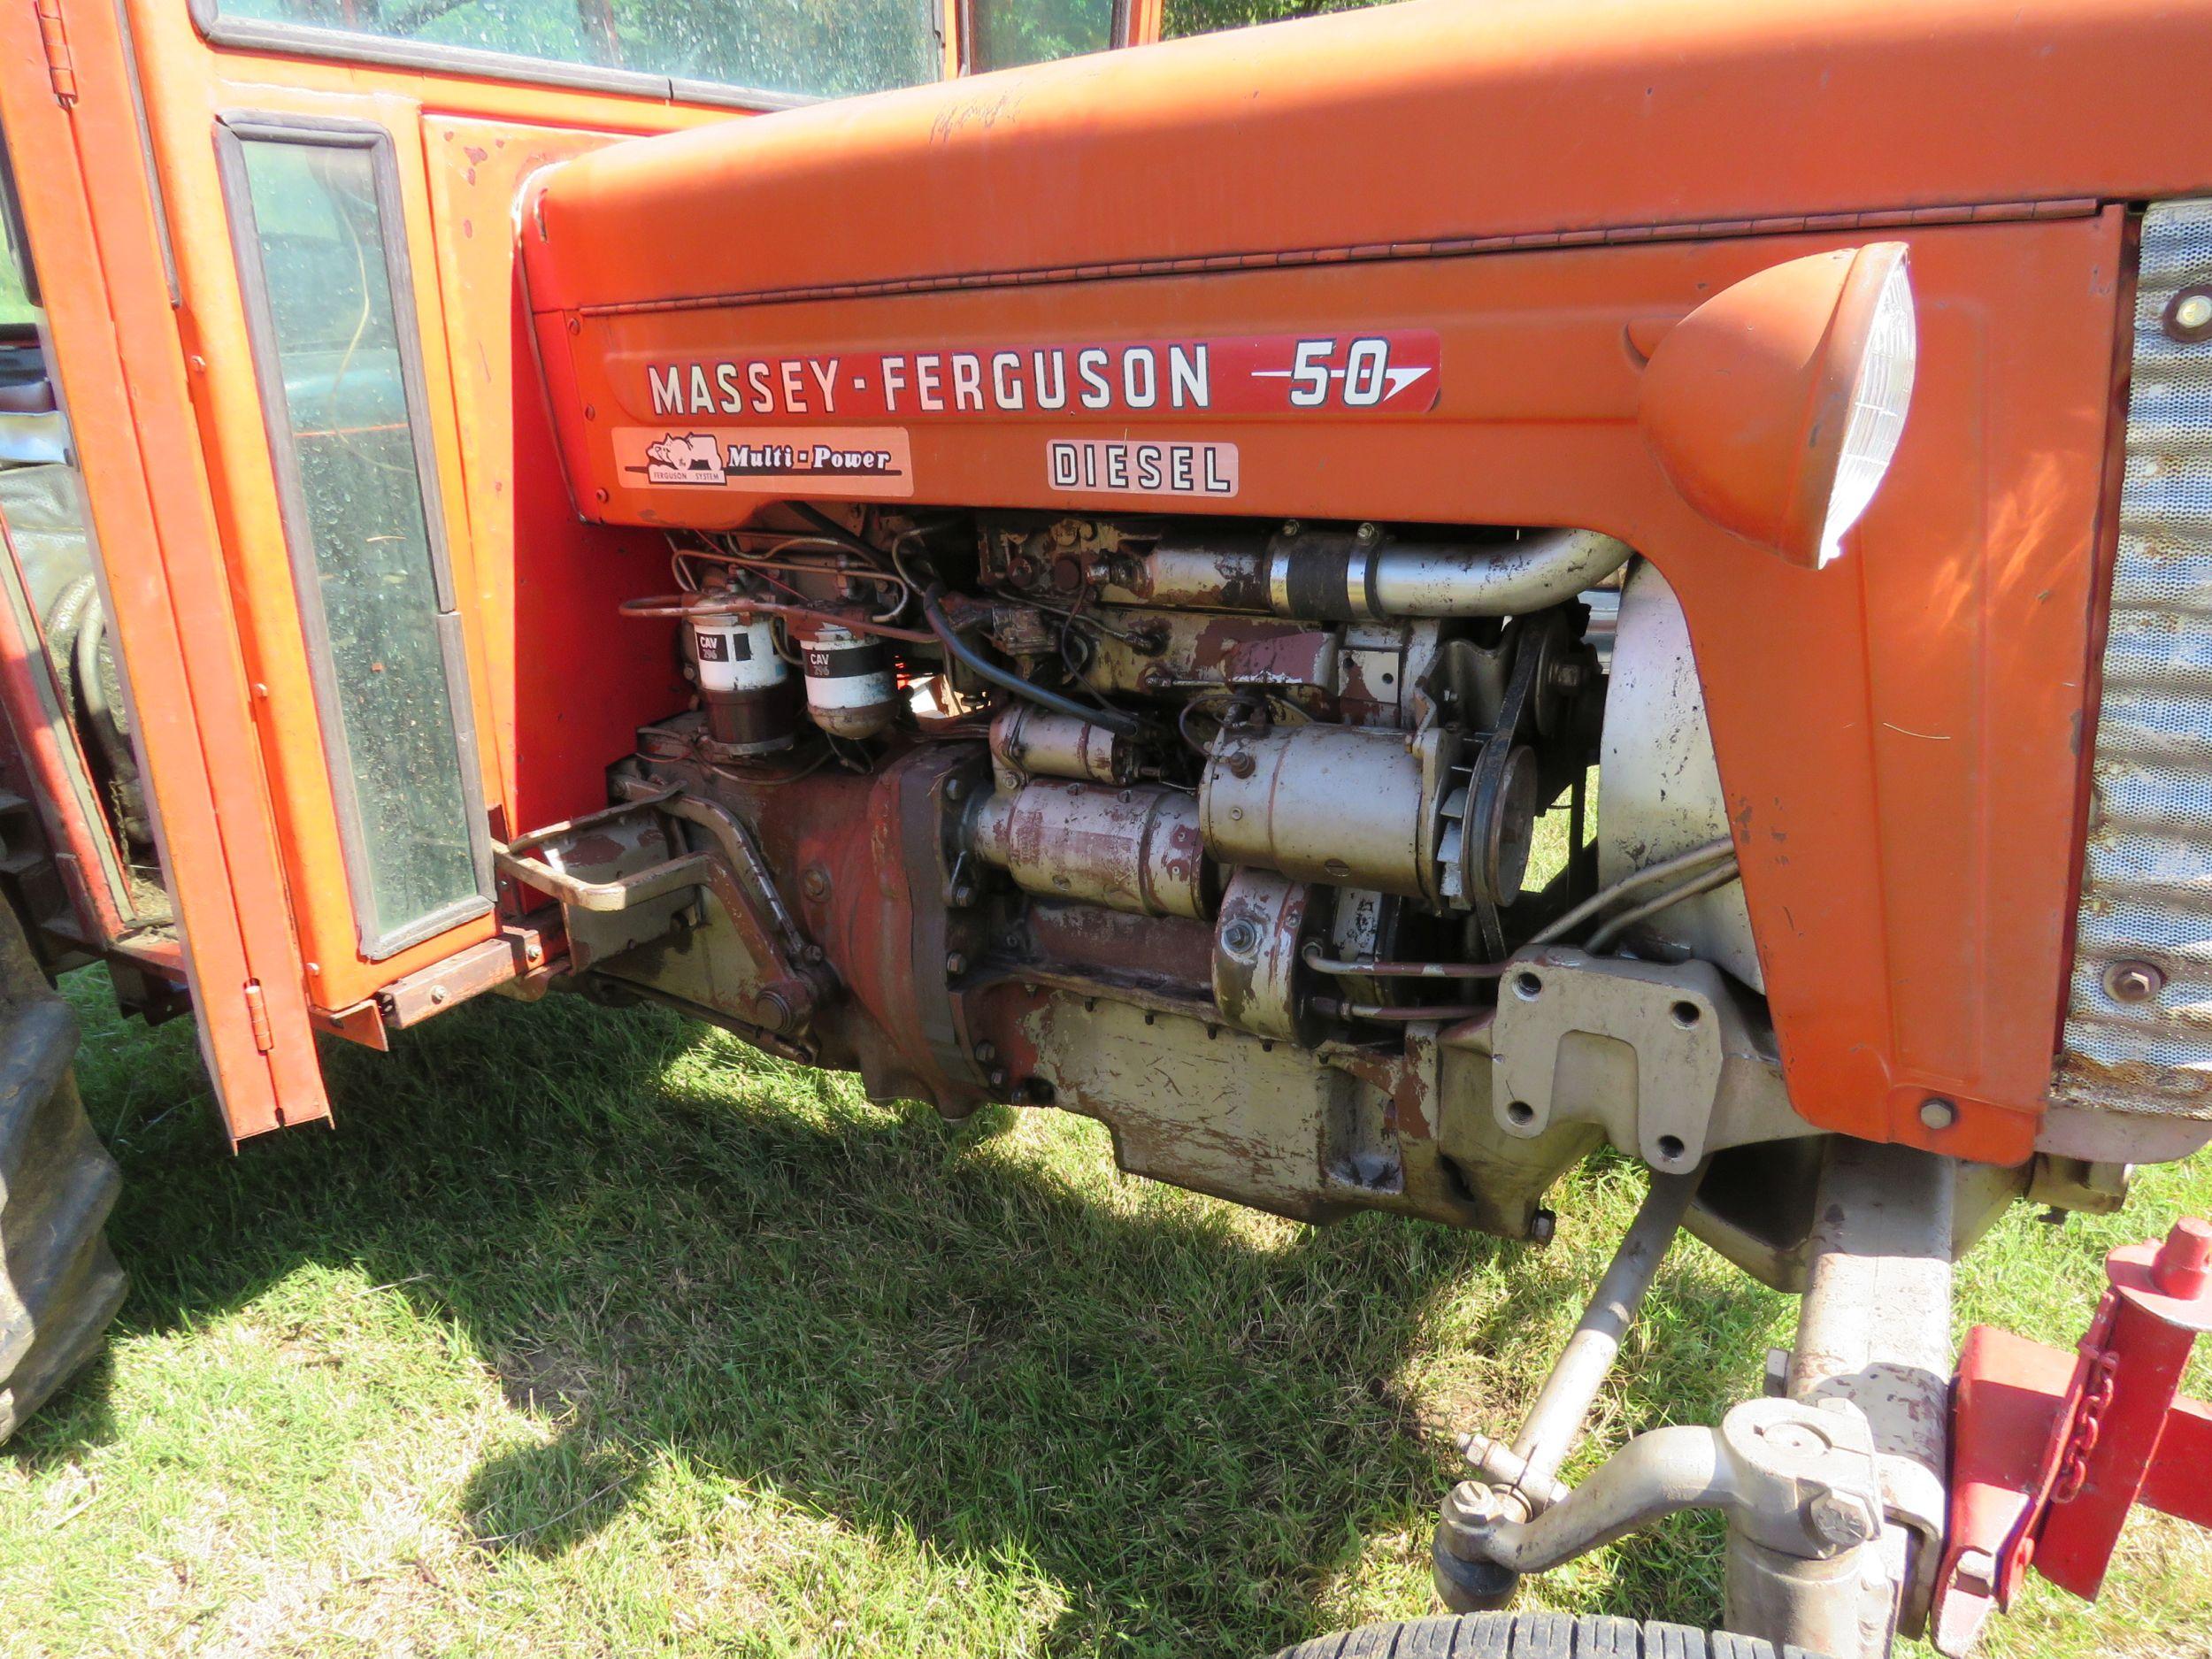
x,y
1002,34
1205,17
319,244
823,47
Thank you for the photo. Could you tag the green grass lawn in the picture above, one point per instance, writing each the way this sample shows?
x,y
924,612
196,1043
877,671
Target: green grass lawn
x,y
591,1332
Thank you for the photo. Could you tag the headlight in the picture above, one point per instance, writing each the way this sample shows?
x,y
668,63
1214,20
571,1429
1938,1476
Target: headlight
x,y
1776,406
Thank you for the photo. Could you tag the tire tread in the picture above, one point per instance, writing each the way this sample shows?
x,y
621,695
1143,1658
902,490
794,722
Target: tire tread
x,y
1535,1636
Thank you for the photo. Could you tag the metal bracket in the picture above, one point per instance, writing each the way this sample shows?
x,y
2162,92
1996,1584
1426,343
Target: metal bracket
x,y
1661,1055
619,876
624,877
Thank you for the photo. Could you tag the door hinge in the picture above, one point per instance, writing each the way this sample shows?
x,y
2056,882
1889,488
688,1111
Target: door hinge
x,y
54,35
257,1012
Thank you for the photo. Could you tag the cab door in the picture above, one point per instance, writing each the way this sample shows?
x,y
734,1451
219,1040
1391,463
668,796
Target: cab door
x,y
97,239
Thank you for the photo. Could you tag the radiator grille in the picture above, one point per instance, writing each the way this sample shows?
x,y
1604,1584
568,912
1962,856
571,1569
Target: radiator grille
x,y
2147,882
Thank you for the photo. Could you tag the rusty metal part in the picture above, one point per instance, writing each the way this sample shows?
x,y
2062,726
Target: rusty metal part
x,y
1198,570
2137,1042
623,893
1027,741
1397,1013
1205,1105
620,875
793,979
1136,848
1352,968
448,984
1260,937
1344,805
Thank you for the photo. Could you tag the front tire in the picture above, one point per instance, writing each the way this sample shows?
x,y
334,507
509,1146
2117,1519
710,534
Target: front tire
x,y
1535,1636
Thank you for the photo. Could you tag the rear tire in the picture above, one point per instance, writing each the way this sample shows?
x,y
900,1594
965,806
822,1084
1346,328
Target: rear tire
x,y
1535,1636
59,1283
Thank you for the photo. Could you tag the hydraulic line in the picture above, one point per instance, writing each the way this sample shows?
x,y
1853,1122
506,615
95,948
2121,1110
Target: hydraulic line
x,y
1696,858
1720,876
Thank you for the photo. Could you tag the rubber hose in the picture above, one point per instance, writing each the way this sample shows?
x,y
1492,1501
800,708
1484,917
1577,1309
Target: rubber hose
x,y
966,655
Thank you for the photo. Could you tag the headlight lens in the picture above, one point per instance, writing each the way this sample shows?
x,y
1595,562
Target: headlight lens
x,y
1878,401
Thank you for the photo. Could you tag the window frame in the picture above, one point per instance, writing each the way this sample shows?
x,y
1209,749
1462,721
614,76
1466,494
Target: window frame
x,y
351,46
1117,33
233,131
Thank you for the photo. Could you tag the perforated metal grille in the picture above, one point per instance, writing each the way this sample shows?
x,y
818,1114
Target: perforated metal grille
x,y
2147,882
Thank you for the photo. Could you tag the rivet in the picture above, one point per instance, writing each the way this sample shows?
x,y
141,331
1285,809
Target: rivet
x,y
2188,317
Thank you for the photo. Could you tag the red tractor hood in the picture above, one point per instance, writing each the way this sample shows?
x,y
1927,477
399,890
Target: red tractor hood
x,y
1433,121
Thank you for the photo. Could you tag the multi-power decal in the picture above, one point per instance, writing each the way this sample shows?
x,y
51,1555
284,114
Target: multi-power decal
x,y
1388,373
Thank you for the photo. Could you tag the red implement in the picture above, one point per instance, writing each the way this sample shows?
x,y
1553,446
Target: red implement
x,y
2050,1451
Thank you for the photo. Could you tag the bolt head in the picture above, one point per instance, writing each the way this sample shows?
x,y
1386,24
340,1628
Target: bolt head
x,y
1938,1113
1841,1519
2133,981
1472,1504
1541,1226
956,964
987,1052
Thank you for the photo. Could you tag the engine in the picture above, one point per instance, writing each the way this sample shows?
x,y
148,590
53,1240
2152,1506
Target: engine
x,y
1270,845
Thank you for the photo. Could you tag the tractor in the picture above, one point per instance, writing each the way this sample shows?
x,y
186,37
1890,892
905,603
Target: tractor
x,y
1048,568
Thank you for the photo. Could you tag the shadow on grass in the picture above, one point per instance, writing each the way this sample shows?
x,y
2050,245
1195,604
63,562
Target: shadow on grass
x,y
672,1245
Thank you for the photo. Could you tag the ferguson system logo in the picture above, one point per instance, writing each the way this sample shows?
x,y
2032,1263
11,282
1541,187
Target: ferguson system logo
x,y
694,457
1389,372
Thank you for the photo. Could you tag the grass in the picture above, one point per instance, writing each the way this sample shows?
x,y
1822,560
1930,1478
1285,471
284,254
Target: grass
x,y
591,1332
